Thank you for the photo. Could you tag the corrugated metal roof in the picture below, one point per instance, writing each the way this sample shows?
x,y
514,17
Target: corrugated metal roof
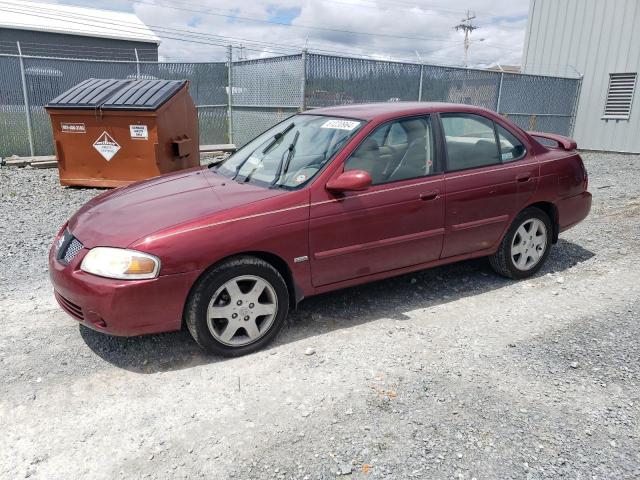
x,y
66,19
112,94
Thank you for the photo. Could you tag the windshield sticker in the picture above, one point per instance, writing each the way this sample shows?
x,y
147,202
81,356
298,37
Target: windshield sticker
x,y
340,124
301,178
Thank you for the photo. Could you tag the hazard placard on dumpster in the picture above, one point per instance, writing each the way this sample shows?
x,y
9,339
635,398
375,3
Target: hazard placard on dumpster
x,y
106,146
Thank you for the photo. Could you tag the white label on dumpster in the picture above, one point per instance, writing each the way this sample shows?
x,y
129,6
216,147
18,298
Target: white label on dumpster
x,y
106,146
340,124
139,132
73,127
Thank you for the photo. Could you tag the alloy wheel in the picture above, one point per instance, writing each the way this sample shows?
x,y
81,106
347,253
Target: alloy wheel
x,y
242,310
529,244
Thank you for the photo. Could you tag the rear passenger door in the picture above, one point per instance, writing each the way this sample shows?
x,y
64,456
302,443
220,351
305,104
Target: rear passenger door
x,y
489,178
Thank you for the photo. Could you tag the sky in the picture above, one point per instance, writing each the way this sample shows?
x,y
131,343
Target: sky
x,y
413,30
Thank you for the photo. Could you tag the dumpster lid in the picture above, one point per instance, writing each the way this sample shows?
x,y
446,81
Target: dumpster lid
x,y
114,94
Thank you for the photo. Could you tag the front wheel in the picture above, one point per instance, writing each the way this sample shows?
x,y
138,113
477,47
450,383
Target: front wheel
x,y
237,307
526,245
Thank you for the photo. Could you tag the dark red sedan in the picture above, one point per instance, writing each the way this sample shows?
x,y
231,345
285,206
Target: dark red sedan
x,y
327,199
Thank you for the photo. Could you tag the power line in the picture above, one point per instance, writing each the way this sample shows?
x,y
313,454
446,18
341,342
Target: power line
x,y
289,25
394,3
235,17
374,5
191,36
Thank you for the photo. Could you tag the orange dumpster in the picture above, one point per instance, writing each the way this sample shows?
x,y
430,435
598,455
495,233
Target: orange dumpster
x,y
110,133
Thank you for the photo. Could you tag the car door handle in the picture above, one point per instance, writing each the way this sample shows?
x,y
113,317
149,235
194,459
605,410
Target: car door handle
x,y
431,195
523,177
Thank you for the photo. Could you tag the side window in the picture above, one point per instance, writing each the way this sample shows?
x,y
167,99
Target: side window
x,y
398,150
510,147
471,141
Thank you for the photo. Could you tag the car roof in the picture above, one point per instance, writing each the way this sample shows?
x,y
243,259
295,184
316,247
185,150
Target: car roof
x,y
370,111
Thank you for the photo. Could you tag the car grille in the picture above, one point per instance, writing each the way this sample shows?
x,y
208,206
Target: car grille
x,y
70,246
72,250
70,307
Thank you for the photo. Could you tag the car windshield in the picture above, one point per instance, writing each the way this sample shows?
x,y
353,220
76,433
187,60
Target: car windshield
x,y
290,154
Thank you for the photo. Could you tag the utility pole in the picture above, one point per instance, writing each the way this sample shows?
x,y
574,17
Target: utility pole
x,y
467,27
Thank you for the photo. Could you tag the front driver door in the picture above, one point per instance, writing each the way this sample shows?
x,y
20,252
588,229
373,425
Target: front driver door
x,y
397,222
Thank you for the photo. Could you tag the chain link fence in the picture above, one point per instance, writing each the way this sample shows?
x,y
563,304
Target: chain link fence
x,y
265,91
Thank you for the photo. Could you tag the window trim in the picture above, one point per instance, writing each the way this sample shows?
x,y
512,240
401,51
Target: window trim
x,y
524,151
445,150
439,166
606,116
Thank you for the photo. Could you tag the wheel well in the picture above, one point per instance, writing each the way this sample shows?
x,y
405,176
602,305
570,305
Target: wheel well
x,y
552,211
275,261
283,269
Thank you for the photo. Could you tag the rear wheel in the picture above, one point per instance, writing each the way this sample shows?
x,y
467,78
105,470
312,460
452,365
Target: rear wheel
x,y
237,307
526,245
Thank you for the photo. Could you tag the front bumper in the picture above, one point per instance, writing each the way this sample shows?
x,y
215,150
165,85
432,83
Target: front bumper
x,y
120,307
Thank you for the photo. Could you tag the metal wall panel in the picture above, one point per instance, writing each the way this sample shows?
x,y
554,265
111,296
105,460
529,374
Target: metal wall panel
x,y
50,44
595,38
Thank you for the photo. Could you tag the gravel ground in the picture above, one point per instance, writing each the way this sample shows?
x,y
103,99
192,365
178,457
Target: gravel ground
x,y
448,373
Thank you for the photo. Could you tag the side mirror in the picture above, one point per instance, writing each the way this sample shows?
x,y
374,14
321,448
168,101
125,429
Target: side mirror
x,y
350,181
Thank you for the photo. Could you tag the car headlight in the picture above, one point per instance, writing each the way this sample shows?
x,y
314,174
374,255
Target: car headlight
x,y
120,263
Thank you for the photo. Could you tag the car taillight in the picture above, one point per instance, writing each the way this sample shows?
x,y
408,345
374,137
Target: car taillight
x,y
585,175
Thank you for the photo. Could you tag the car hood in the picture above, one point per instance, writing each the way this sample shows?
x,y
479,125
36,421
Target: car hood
x,y
120,217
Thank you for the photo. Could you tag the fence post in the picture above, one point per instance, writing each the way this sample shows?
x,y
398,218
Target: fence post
x,y
135,50
230,93
574,110
499,92
25,94
420,87
303,85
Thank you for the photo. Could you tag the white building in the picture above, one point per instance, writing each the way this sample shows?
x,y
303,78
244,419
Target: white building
x,y
600,40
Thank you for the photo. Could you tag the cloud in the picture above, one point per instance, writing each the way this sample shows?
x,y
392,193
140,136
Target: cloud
x,y
428,30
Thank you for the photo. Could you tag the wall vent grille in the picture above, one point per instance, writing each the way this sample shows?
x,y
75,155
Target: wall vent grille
x,y
620,96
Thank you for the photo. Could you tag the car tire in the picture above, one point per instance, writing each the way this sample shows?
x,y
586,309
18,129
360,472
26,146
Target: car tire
x,y
515,255
216,309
